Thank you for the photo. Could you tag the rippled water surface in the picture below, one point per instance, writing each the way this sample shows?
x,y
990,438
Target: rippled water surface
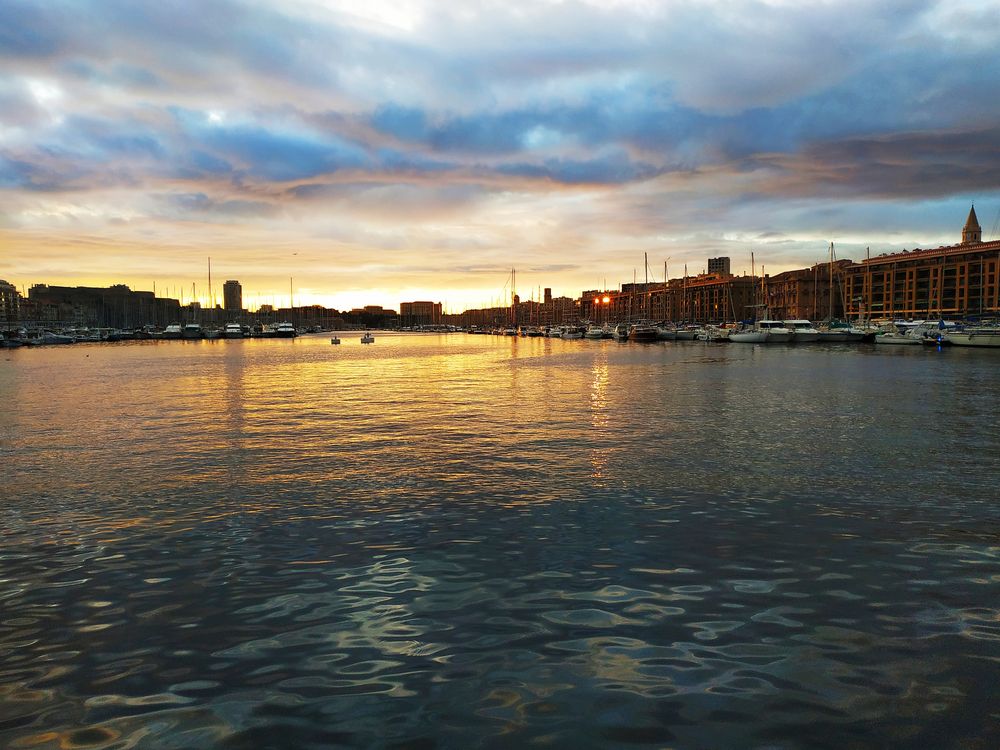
x,y
478,542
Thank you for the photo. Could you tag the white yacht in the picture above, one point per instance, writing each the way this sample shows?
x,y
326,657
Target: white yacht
x,y
666,333
901,338
643,331
985,335
714,333
285,331
777,332
571,332
594,331
802,331
752,335
232,331
173,331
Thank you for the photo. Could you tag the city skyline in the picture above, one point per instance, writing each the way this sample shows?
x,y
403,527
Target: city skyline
x,y
405,152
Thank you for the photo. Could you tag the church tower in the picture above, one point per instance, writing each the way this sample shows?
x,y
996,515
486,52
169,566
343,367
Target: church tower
x,y
972,232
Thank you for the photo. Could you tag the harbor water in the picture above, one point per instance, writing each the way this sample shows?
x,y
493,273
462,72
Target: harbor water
x,y
454,541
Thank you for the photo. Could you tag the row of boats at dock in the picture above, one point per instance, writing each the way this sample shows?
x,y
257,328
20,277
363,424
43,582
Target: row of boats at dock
x,y
890,333
887,333
175,331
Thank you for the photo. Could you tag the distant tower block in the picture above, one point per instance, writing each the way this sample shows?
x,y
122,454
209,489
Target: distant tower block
x,y
548,296
972,232
232,295
719,266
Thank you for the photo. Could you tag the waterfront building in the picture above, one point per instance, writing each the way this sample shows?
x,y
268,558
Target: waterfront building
x,y
116,306
807,293
419,313
10,303
948,281
232,296
372,316
714,298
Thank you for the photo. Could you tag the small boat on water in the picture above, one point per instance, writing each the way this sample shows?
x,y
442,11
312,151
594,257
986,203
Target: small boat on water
x,y
285,331
594,331
571,332
47,338
897,338
620,332
777,332
173,331
192,331
666,333
802,331
749,335
643,331
232,331
716,334
367,338
335,340
984,335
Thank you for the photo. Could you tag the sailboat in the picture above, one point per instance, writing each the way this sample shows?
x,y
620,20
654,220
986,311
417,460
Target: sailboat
x,y
752,334
643,330
832,333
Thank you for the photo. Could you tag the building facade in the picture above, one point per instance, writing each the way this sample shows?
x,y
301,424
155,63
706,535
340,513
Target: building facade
x,y
419,314
719,266
815,293
950,281
10,304
116,306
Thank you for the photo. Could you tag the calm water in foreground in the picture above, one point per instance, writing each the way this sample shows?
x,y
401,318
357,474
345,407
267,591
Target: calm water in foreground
x,y
467,541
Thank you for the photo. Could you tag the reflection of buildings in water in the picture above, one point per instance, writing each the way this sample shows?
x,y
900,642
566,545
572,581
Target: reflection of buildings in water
x,y
599,418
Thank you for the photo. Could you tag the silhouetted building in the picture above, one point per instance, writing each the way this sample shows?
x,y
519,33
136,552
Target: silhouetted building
x,y
10,303
419,313
116,306
232,296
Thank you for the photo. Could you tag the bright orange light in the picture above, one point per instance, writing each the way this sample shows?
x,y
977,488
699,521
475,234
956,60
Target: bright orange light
x,y
606,300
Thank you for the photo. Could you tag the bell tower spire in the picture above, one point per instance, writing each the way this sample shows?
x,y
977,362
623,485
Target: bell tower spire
x,y
972,232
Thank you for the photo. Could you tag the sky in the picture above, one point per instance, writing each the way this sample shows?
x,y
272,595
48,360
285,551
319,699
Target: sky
x,y
378,152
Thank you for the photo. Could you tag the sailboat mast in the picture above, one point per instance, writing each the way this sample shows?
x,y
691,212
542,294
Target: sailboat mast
x,y
645,288
831,281
210,300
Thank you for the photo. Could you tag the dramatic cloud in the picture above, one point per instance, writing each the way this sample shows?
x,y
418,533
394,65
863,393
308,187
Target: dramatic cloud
x,y
341,142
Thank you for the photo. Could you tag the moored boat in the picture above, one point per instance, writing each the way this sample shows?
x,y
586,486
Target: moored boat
x,y
192,331
285,331
233,331
666,333
802,331
985,336
777,332
750,335
367,338
643,332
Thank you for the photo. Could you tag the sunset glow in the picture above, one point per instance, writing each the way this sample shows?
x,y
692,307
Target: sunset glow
x,y
415,151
